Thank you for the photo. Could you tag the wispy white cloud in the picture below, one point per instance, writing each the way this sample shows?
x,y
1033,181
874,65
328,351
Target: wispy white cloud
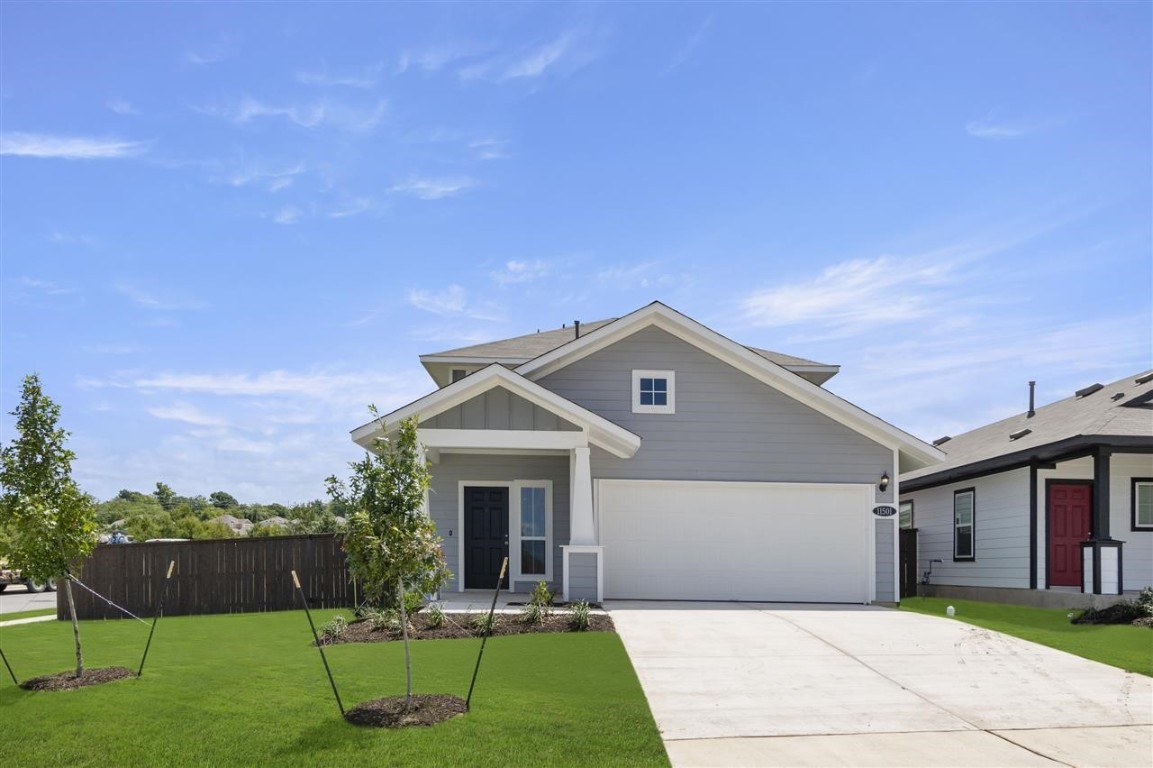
x,y
68,147
490,149
646,275
433,189
289,214
223,48
434,58
367,77
150,300
353,119
855,296
353,207
453,302
187,413
515,272
563,55
690,47
992,128
65,238
272,179
121,107
45,287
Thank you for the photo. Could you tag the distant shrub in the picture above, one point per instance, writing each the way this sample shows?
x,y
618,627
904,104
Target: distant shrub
x,y
434,616
1124,612
541,595
482,623
533,614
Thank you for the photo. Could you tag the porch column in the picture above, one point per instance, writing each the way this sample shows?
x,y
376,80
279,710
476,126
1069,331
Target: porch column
x,y
581,497
1101,562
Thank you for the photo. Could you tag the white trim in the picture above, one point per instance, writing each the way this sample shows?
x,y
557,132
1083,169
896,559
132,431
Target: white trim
x,y
601,432
670,378
915,452
514,565
514,539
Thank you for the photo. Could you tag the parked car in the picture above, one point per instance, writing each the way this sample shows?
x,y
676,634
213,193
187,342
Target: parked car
x,y
10,576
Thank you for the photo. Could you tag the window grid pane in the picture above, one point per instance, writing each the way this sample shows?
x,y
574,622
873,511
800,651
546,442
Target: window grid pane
x,y
1145,504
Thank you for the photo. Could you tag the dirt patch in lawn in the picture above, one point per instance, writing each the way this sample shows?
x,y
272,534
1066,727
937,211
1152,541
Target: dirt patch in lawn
x,y
426,709
458,625
67,681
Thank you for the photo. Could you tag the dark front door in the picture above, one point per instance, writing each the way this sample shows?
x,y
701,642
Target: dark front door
x,y
908,570
485,536
1070,509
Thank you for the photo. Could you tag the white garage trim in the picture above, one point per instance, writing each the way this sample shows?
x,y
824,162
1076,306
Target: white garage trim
x,y
703,540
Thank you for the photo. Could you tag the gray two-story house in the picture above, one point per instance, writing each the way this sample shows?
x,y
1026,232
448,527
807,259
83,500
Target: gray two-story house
x,y
650,457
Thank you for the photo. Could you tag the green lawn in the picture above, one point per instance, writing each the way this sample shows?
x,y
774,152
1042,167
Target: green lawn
x,y
27,614
251,690
1123,646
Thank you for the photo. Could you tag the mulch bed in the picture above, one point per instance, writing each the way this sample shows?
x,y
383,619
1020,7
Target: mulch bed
x,y
1120,613
458,625
426,709
67,681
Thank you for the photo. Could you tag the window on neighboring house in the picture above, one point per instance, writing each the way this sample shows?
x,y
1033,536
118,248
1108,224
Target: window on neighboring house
x,y
654,392
533,531
905,514
1142,503
458,374
964,513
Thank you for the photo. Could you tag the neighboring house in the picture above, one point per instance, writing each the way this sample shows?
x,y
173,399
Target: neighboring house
x,y
1056,499
650,457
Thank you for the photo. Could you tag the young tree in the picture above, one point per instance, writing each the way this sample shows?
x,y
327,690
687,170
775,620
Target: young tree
x,y
51,523
392,544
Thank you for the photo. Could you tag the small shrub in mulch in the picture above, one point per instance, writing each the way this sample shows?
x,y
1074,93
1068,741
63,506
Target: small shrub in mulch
x,y
431,626
67,681
1124,612
426,709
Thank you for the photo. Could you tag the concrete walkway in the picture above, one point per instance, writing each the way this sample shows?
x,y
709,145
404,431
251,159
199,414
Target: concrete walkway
x,y
747,684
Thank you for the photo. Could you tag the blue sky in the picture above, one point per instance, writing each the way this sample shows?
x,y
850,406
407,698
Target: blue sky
x,y
227,228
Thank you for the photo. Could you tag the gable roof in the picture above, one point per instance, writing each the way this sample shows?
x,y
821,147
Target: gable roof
x,y
601,432
521,349
913,453
1119,414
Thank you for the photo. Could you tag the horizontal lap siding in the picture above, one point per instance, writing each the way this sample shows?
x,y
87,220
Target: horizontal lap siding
x,y
583,576
444,500
1137,552
727,425
1001,520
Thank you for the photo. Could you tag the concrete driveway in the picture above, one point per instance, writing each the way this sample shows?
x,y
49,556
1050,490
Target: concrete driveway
x,y
735,684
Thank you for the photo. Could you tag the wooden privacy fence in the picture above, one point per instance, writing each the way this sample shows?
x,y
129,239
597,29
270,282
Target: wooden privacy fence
x,y
212,576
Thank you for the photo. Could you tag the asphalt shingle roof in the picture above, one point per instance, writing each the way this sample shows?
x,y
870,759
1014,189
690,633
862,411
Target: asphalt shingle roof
x,y
1121,409
534,345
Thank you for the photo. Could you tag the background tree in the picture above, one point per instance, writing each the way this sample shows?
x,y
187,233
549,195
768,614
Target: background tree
x,y
165,495
52,524
223,500
392,544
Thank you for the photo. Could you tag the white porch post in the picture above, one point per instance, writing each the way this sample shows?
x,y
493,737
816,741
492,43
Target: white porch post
x,y
581,497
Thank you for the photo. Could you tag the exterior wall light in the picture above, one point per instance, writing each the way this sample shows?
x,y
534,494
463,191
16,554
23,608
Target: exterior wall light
x,y
884,484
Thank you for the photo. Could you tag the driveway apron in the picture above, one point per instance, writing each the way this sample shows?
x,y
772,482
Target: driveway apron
x,y
776,684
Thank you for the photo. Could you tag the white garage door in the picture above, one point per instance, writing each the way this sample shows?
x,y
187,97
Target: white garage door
x,y
787,542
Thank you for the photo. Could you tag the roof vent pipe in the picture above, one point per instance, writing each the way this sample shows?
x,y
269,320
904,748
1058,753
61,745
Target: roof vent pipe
x,y
577,325
1032,389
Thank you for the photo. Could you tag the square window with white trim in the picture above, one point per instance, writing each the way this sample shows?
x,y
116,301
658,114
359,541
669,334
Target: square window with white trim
x,y
654,392
1143,503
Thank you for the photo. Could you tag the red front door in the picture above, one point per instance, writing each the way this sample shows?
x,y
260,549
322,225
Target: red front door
x,y
1070,507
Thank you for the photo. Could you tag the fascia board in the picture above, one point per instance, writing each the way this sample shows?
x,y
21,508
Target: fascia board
x,y
745,360
607,435
448,359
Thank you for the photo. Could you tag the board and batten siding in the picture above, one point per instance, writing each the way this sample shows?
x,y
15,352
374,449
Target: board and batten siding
x,y
1001,525
727,425
444,502
499,409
